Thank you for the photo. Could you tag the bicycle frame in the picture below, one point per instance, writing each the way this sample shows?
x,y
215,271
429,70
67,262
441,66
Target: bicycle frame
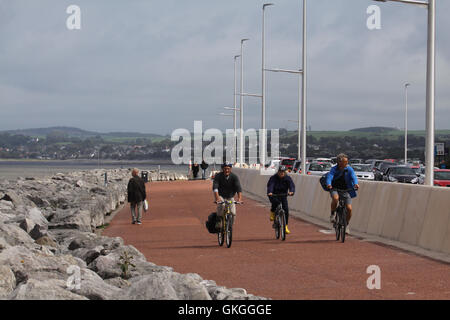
x,y
341,214
280,218
227,223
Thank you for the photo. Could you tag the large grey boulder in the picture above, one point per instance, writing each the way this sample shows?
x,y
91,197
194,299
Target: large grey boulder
x,y
51,289
37,264
35,215
80,220
38,232
93,287
7,281
165,286
11,196
6,205
14,235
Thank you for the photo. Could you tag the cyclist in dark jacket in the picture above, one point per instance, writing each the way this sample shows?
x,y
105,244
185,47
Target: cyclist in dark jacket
x,y
204,167
136,196
280,183
225,186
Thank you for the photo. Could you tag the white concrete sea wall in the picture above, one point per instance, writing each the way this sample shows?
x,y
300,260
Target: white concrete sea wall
x,y
411,214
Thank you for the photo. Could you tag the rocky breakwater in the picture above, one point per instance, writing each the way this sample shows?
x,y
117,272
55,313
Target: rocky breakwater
x,y
49,250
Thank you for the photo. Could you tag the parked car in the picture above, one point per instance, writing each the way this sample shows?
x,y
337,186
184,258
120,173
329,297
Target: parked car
x,y
380,171
273,164
363,171
288,163
296,166
318,168
401,174
355,161
330,160
442,177
373,162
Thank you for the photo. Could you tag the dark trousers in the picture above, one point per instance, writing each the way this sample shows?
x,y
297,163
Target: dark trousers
x,y
275,201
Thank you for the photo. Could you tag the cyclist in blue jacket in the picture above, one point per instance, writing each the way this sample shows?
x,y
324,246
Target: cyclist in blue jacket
x,y
280,183
342,177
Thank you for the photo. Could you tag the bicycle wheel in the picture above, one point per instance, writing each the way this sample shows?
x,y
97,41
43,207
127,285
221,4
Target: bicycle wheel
x,y
283,225
229,230
343,224
276,226
221,233
337,224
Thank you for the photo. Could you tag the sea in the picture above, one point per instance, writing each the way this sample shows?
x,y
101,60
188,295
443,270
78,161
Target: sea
x,y
14,169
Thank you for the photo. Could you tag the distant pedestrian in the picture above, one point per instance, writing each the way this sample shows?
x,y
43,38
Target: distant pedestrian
x,y
204,167
136,196
195,170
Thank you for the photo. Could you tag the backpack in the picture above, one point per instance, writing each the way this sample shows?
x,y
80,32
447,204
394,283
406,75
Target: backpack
x,y
211,223
323,180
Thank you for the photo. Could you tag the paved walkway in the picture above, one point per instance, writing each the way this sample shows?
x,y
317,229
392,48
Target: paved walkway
x,y
309,265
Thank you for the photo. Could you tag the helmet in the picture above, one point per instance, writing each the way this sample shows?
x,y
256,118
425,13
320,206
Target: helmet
x,y
227,164
282,168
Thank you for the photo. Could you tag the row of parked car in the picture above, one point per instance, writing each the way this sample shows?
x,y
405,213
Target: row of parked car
x,y
376,170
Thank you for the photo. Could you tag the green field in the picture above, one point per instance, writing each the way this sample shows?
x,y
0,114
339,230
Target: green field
x,y
389,135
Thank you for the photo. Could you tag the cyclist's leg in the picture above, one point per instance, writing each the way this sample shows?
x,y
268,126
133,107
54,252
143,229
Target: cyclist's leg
x,y
348,206
349,212
285,205
334,203
220,211
275,202
233,208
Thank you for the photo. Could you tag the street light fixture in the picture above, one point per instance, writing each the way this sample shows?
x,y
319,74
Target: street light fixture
x,y
431,82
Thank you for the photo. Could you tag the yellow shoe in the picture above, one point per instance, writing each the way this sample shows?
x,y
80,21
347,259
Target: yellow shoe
x,y
287,230
272,216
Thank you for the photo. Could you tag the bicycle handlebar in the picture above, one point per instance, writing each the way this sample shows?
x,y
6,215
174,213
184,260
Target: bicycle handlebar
x,y
281,195
222,202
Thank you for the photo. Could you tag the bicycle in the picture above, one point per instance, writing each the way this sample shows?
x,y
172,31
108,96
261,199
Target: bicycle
x,y
279,223
226,229
340,224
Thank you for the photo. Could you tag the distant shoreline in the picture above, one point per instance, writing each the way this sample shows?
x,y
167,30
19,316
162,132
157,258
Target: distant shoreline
x,y
92,161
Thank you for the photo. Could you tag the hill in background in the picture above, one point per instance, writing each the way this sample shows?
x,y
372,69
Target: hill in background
x,y
71,132
375,129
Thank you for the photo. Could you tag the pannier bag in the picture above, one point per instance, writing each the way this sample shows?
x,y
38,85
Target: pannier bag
x,y
211,223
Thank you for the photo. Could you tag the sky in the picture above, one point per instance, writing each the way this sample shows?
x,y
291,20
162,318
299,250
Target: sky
x,y
153,66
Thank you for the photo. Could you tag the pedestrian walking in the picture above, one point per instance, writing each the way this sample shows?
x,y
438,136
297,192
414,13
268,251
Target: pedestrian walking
x,y
195,170
136,196
204,167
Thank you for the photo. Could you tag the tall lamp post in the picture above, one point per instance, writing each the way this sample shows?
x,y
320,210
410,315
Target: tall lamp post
x,y
302,96
431,81
235,108
406,122
241,107
263,95
235,129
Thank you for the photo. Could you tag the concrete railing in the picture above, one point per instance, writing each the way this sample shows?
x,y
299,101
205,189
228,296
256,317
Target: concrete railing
x,y
412,214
